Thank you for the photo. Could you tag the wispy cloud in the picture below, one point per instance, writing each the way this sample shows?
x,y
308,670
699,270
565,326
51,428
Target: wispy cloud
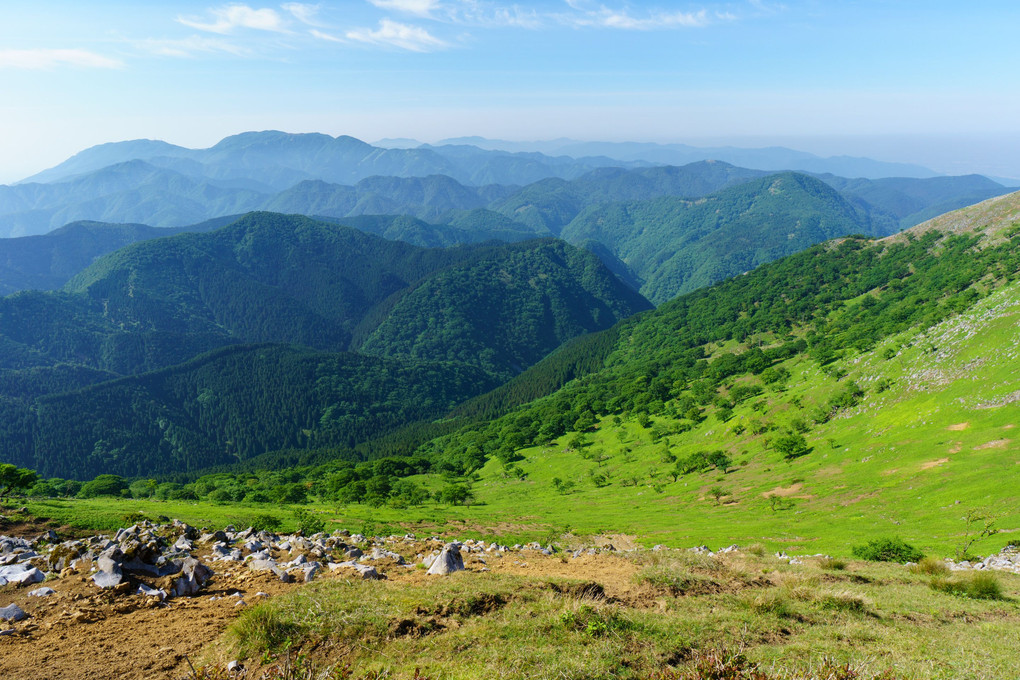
x,y
490,15
227,19
404,36
306,14
189,47
40,59
315,33
421,8
606,17
588,14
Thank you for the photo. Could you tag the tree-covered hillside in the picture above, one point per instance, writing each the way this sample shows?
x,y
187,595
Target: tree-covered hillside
x,y
227,406
675,246
505,310
476,314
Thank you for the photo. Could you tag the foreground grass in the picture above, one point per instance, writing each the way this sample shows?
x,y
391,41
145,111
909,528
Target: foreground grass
x,y
675,609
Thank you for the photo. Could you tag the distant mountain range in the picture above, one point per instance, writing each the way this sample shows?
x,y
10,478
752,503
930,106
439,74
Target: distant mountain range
x,y
767,158
651,226
159,184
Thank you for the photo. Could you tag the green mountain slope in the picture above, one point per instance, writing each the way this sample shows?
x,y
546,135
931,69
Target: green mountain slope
x,y
486,312
675,246
506,310
860,387
47,262
230,405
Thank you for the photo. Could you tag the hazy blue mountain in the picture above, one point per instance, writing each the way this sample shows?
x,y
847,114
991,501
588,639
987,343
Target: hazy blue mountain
x,y
280,160
483,166
912,201
770,158
133,191
104,155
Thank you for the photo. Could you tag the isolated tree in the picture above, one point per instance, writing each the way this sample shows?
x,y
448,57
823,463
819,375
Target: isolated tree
x,y
456,494
14,479
791,446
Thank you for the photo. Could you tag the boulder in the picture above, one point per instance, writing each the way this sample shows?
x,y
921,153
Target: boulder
x,y
21,574
449,561
282,574
12,612
193,576
41,592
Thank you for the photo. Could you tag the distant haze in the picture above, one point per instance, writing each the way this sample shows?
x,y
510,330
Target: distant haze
x,y
931,84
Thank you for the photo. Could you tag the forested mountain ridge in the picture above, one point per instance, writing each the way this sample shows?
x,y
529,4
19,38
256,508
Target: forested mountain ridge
x,y
504,311
675,246
475,314
266,278
227,406
452,214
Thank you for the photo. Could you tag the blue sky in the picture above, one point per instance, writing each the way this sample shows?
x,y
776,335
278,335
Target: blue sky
x,y
930,82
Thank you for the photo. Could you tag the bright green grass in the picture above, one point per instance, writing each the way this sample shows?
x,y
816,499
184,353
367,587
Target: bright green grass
x,y
893,466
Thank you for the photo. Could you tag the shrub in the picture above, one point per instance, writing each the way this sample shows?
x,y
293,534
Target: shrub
x,y
887,550
308,522
984,586
981,586
270,523
931,566
103,485
832,564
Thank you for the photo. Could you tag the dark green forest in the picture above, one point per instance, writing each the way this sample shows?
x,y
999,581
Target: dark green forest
x,y
102,377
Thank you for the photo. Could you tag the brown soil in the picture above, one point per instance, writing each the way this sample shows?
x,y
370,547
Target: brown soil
x,y
958,427
934,463
784,491
84,633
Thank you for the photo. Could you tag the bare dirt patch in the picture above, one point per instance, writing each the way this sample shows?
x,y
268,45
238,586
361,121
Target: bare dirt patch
x,y
81,632
994,444
958,427
934,463
784,491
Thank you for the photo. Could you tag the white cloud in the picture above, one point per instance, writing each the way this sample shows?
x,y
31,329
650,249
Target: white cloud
x,y
489,15
421,8
325,36
237,16
610,18
188,47
306,14
413,38
38,59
